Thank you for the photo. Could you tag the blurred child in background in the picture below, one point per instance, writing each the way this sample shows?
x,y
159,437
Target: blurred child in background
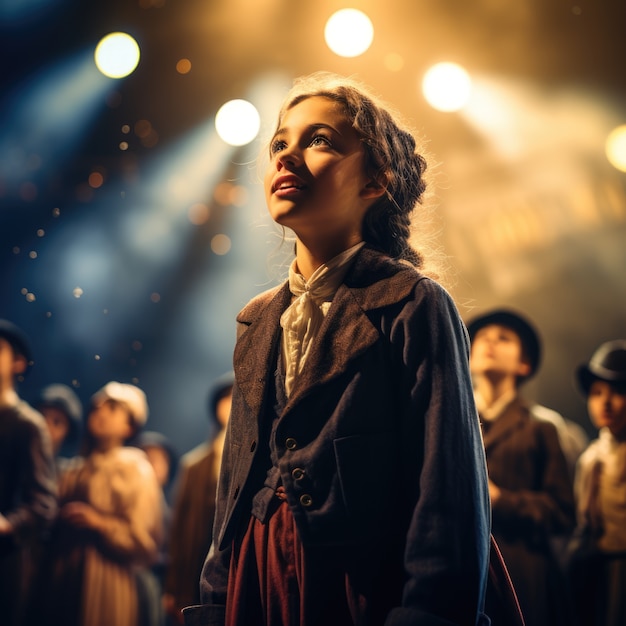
x,y
109,522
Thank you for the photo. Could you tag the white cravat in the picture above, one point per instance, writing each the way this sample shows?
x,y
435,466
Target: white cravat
x,y
303,318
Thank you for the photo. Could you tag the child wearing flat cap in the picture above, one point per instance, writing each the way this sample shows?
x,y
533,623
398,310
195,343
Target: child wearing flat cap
x,y
27,476
110,518
598,562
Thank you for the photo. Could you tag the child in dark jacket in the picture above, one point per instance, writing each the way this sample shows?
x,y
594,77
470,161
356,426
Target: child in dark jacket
x,y
28,490
353,486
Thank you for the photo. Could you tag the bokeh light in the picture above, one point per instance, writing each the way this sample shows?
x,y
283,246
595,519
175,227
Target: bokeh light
x,y
616,148
446,87
117,55
220,244
349,32
183,66
237,122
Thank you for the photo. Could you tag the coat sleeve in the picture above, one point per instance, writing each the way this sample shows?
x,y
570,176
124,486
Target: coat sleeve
x,y
38,503
213,585
447,544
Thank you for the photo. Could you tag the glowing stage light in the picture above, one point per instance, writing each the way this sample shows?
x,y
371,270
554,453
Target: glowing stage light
x,y
117,55
446,87
349,32
616,148
237,122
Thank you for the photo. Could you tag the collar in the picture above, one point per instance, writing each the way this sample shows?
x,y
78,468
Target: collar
x,y
325,279
497,408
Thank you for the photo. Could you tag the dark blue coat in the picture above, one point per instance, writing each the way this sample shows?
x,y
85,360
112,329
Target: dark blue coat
x,y
383,424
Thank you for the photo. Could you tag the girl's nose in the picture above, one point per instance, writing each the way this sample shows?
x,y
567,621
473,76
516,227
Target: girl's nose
x,y
287,157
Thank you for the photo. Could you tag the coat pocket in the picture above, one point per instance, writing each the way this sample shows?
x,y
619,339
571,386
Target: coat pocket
x,y
366,470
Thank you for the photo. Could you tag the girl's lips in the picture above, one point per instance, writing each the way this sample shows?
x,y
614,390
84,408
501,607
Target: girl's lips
x,y
284,192
287,183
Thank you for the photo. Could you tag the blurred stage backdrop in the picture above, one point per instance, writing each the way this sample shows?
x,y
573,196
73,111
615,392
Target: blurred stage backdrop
x,y
132,231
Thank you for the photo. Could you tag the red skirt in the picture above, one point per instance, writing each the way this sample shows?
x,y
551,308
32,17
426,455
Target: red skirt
x,y
275,581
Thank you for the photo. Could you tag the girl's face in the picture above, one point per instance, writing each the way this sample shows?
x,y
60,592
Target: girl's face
x,y
316,182
109,422
497,351
607,408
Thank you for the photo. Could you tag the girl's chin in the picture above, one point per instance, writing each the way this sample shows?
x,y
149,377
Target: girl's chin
x,y
284,216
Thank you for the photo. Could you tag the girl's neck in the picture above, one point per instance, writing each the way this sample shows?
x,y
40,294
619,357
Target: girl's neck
x,y
310,256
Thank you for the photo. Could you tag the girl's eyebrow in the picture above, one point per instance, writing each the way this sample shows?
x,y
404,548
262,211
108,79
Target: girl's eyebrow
x,y
310,128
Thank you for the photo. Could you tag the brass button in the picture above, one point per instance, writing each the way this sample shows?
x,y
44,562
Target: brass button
x,y
306,500
291,443
298,473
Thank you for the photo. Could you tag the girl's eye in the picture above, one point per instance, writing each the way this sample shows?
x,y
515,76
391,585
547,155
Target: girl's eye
x,y
320,140
277,145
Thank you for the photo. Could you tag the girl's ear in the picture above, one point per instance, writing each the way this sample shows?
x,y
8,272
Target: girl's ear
x,y
375,187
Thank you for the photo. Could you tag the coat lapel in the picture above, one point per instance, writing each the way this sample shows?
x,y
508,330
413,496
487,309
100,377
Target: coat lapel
x,y
345,333
373,282
259,338
504,426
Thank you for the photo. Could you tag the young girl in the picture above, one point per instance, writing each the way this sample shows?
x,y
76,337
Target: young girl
x,y
353,487
598,564
109,521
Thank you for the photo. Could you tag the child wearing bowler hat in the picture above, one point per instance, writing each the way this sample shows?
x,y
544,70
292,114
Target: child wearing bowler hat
x,y
27,476
598,563
110,518
529,483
